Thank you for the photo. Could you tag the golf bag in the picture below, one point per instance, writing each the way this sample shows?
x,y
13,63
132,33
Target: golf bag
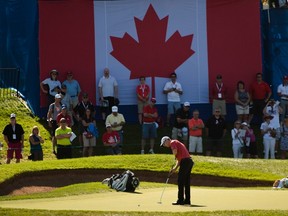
x,y
123,182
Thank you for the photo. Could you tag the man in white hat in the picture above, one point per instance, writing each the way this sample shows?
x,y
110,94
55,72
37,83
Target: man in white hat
x,y
117,121
184,163
14,138
180,127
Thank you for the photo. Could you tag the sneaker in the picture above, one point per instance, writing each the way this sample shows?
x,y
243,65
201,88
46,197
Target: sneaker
x,y
142,152
151,151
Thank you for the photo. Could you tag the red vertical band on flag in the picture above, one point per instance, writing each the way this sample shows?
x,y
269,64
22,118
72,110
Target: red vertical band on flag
x,y
66,42
234,41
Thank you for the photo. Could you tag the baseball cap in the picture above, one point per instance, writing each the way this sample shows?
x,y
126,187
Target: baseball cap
x,y
85,94
114,109
153,100
173,74
186,104
285,77
63,107
69,73
163,140
244,124
63,86
58,96
54,71
108,125
62,120
219,76
13,115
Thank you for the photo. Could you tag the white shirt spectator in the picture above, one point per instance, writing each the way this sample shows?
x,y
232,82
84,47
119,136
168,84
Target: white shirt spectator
x,y
173,96
107,85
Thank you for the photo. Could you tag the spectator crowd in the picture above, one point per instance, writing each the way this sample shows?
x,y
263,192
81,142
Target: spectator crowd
x,y
71,114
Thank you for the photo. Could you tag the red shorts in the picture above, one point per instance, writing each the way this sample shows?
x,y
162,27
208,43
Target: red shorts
x,y
14,147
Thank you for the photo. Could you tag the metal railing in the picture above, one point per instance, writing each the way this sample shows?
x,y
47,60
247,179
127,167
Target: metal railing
x,y
9,82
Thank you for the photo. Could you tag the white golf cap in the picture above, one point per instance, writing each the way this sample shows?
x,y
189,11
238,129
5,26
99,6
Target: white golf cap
x,y
58,96
114,109
108,125
163,140
13,115
186,104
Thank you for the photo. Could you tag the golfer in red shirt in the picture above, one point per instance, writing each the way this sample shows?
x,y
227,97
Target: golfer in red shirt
x,y
185,162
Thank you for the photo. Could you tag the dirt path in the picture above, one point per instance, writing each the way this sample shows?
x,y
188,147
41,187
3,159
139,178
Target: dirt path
x,y
203,199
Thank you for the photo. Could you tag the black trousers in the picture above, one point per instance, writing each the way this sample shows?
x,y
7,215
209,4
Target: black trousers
x,y
186,165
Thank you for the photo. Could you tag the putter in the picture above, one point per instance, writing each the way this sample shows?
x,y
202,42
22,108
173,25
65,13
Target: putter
x,y
160,202
169,175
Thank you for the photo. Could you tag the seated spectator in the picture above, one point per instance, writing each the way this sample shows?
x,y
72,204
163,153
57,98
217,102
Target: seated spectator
x,y
51,86
117,121
35,144
180,127
111,141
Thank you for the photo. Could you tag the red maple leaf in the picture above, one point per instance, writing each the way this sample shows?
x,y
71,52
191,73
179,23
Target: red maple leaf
x,y
152,56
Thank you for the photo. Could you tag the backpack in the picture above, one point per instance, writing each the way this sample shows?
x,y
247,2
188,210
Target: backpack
x,y
123,182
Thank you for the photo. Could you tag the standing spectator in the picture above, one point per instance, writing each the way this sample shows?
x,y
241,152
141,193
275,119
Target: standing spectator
x,y
62,135
219,93
180,127
149,129
143,92
273,109
111,141
260,94
282,91
269,135
35,144
73,88
250,141
242,99
215,131
53,85
53,111
67,101
173,89
284,138
64,114
117,121
89,139
14,138
79,112
185,162
237,140
108,91
195,125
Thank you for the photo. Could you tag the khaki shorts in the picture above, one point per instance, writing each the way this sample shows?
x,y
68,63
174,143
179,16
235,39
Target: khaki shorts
x,y
221,104
89,142
141,105
195,144
240,110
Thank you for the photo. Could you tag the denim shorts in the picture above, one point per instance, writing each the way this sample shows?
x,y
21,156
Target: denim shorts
x,y
149,130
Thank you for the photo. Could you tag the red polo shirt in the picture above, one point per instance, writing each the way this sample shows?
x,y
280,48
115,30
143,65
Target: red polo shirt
x,y
260,90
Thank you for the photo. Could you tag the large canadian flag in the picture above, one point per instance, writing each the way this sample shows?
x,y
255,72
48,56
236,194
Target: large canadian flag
x,y
196,39
153,39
